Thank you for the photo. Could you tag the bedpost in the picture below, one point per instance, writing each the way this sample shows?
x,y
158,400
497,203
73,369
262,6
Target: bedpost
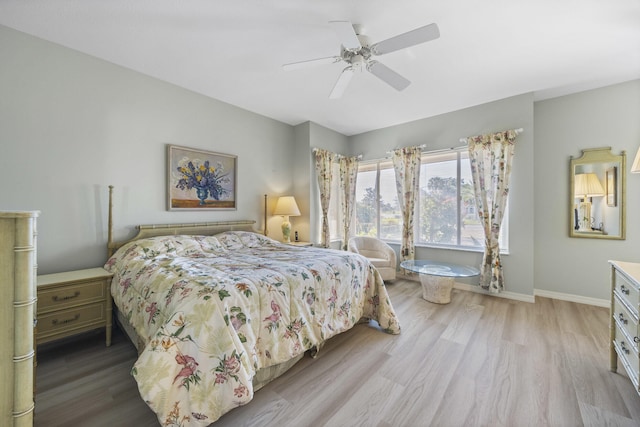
x,y
265,216
110,224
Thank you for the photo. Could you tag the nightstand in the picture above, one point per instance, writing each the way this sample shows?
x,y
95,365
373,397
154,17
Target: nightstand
x,y
299,243
73,302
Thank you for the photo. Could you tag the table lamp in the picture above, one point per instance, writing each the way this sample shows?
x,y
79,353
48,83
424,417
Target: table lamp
x,y
586,185
286,206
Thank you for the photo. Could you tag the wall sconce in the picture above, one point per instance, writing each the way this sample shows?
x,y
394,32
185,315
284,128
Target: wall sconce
x,y
286,206
587,185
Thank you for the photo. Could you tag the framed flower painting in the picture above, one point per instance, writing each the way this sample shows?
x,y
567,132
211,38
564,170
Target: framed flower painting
x,y
200,180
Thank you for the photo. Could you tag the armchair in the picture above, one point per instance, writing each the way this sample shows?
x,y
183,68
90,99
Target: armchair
x,y
381,255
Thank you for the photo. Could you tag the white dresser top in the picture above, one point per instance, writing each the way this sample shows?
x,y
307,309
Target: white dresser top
x,y
630,269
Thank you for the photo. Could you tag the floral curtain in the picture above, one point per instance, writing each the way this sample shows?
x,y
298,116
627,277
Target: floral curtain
x,y
491,156
406,163
348,176
324,159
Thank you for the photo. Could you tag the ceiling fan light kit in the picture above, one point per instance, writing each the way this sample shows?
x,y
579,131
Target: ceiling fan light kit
x,y
357,51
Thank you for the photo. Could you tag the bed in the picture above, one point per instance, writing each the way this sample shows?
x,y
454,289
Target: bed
x,y
217,310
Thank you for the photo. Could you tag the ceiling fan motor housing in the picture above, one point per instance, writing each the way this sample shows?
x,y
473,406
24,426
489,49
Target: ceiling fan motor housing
x,y
358,63
357,58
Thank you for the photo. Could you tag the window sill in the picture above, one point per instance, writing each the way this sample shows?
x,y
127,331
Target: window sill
x,y
451,248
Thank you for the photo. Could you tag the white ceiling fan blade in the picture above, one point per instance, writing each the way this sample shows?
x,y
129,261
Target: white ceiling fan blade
x,y
411,38
342,83
387,75
310,63
346,34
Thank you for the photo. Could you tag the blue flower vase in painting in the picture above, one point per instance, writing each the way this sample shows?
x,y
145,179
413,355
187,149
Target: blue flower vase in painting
x,y
202,194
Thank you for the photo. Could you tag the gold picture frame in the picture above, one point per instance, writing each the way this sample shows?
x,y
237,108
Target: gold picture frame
x,y
200,180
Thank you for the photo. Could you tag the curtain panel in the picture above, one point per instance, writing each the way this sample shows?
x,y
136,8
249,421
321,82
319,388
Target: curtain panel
x,y
491,156
348,178
323,162
406,163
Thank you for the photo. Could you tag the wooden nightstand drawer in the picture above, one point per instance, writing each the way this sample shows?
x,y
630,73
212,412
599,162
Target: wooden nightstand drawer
x,y
58,297
73,302
63,323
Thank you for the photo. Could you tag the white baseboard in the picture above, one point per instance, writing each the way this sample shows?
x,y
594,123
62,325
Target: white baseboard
x,y
479,290
526,298
572,298
504,294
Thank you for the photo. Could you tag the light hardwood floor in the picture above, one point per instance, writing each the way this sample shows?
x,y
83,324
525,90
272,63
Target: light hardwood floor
x,y
479,361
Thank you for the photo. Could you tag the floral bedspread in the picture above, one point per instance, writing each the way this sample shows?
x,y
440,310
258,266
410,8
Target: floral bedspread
x,y
215,309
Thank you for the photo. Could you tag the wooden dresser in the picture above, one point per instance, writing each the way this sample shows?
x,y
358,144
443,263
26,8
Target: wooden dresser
x,y
73,302
17,313
624,322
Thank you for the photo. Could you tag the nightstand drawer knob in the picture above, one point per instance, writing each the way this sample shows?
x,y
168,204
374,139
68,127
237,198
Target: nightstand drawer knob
x,y
624,290
622,319
56,298
65,321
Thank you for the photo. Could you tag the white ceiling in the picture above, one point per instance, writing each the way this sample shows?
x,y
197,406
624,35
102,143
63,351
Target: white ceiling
x,y
232,50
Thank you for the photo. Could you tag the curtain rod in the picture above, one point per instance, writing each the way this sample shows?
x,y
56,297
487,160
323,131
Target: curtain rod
x,y
358,156
517,131
421,146
440,150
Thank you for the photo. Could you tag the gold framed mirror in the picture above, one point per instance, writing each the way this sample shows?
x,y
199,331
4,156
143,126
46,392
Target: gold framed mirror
x,y
597,198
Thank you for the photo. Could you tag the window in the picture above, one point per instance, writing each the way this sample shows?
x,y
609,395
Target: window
x,y
377,208
447,215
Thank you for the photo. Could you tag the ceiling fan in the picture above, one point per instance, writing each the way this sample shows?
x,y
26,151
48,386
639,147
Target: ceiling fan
x,y
358,52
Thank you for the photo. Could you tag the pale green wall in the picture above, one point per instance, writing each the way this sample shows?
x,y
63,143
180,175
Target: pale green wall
x,y
321,137
445,131
606,117
302,170
542,257
71,124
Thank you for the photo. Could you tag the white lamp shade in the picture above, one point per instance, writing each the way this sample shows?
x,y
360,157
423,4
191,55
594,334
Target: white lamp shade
x,y
636,163
287,206
587,185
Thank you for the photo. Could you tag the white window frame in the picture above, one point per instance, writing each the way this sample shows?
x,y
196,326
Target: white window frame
x,y
504,240
369,166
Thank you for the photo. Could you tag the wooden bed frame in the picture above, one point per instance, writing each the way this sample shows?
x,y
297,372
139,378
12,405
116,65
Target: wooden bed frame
x,y
263,376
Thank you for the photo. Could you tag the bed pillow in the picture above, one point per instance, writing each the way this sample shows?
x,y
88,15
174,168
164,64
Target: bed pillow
x,y
210,244
154,247
159,245
254,240
230,240
234,240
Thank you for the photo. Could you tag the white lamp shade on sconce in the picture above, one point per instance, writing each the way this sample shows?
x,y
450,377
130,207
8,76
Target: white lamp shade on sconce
x,y
588,185
635,168
286,206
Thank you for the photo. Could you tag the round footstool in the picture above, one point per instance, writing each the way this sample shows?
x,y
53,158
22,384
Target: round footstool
x,y
436,288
